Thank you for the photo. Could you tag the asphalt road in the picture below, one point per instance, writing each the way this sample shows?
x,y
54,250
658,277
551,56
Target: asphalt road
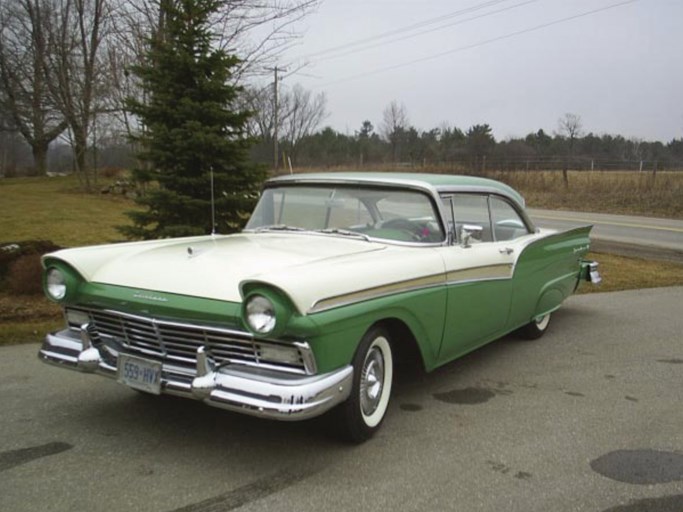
x,y
588,418
627,234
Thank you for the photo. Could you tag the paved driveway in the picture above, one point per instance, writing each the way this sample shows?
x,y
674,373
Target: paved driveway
x,y
589,418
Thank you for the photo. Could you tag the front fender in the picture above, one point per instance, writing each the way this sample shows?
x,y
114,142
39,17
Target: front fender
x,y
340,330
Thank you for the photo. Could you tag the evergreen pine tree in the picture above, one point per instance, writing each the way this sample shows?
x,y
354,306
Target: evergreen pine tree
x,y
191,127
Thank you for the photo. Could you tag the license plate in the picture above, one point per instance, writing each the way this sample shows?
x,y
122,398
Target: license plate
x,y
139,373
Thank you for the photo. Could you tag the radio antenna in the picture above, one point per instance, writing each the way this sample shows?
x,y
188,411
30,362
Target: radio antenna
x,y
213,207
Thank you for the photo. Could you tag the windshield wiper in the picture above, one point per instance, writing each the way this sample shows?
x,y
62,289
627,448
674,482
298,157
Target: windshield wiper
x,y
344,232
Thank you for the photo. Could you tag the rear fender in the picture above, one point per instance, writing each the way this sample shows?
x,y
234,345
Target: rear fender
x,y
546,272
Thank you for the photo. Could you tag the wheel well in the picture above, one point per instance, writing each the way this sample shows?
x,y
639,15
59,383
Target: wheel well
x,y
407,355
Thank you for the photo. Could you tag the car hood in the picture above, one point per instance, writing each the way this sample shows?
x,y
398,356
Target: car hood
x,y
307,267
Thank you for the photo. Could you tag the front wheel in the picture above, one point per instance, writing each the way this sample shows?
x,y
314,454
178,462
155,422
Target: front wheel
x,y
536,328
373,372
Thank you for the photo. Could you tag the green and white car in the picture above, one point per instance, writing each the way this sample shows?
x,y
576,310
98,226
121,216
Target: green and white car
x,y
307,310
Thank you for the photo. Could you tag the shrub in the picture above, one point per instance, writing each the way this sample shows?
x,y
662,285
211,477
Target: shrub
x,y
111,172
24,277
13,251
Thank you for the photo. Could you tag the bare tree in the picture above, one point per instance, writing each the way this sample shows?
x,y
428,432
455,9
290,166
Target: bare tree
x,y
300,113
257,31
303,113
24,52
76,66
394,125
260,31
571,127
260,101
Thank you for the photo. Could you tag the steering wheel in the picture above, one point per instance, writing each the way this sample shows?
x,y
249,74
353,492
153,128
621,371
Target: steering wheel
x,y
405,225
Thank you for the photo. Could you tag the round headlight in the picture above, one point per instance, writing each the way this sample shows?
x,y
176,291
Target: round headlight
x,y
260,314
56,284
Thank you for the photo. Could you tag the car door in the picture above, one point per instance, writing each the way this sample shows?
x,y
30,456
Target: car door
x,y
479,270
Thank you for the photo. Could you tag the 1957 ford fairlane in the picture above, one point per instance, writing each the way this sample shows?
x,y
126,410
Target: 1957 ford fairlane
x,y
306,310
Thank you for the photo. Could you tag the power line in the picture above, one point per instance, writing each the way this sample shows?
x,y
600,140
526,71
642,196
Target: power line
x,y
408,28
423,32
476,45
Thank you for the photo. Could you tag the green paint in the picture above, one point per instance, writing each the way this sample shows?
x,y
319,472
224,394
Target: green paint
x,y
72,279
281,304
340,329
176,307
477,311
546,273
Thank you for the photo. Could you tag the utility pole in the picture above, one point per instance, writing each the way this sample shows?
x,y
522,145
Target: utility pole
x,y
275,116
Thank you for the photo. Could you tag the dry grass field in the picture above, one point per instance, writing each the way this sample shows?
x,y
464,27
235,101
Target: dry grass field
x,y
626,192
621,192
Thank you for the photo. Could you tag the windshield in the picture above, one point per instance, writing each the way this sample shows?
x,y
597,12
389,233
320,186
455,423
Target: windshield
x,y
398,215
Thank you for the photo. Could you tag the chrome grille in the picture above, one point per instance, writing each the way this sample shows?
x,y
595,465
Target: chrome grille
x,y
178,342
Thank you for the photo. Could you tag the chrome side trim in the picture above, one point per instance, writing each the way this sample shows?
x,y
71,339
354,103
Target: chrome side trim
x,y
484,273
376,292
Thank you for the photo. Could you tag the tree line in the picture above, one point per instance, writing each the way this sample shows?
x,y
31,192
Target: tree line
x,y
394,140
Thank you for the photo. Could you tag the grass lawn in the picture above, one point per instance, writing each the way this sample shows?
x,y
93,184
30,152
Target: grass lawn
x,y
54,209
622,273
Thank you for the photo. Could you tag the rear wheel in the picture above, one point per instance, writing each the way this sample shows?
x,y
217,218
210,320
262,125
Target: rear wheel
x,y
536,328
373,371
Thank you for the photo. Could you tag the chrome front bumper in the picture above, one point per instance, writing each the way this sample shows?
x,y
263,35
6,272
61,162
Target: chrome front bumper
x,y
246,390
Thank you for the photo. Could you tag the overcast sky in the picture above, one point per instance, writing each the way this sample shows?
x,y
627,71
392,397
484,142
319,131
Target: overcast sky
x,y
513,64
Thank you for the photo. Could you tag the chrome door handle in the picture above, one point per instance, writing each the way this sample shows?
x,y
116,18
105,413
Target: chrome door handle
x,y
507,251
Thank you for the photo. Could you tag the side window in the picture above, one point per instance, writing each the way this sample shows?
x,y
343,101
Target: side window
x,y
472,209
507,223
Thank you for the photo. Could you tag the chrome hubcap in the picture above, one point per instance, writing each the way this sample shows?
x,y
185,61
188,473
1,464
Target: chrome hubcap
x,y
372,381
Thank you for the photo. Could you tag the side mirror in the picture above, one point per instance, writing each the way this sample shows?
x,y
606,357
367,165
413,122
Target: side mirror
x,y
469,232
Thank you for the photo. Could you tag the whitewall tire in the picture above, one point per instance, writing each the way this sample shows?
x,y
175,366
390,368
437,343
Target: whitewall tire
x,y
536,328
373,374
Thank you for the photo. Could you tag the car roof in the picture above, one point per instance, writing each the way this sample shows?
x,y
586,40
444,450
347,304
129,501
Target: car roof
x,y
441,182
